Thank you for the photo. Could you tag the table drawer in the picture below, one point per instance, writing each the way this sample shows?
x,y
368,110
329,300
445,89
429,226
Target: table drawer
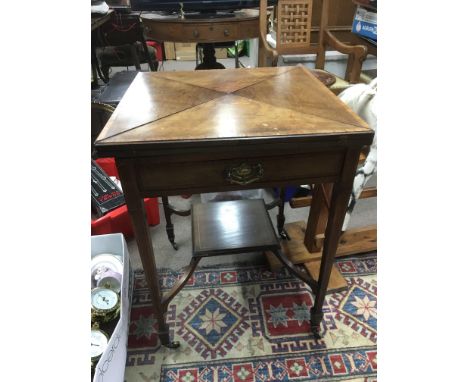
x,y
201,32
209,32
155,175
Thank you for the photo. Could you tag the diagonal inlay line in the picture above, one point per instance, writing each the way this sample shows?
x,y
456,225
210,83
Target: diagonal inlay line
x,y
246,118
216,94
265,77
191,85
301,91
300,112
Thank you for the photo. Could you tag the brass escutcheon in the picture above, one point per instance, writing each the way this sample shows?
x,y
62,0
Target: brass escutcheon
x,y
244,173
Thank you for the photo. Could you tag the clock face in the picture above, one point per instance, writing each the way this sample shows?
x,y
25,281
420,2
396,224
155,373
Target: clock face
x,y
98,343
104,299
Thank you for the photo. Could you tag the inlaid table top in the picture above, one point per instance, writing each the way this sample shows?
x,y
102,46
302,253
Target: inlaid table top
x,y
184,108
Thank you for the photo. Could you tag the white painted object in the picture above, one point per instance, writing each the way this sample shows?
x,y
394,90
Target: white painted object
x,y
99,7
362,99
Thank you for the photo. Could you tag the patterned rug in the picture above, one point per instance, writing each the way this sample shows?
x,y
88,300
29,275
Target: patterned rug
x,y
245,323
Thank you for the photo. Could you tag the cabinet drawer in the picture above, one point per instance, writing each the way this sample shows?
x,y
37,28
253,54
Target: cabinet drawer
x,y
227,174
201,32
210,32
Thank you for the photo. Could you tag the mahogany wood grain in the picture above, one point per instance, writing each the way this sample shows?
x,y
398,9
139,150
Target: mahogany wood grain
x,y
163,177
230,227
226,81
338,204
192,140
236,103
140,227
243,25
152,97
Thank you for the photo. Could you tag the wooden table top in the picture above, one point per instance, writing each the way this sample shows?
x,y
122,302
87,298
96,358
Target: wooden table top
x,y
165,18
215,106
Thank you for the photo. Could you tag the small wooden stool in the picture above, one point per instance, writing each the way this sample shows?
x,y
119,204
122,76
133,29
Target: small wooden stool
x,y
233,227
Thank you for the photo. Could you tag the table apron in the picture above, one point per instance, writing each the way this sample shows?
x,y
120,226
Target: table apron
x,y
172,178
201,32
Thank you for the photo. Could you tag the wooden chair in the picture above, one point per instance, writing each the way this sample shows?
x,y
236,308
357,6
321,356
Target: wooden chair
x,y
293,27
122,43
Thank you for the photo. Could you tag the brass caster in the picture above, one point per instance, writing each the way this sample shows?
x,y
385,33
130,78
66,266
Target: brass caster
x,y
316,332
284,235
173,345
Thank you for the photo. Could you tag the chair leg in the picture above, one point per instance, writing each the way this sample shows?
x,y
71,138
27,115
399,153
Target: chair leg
x,y
169,225
136,59
105,73
280,218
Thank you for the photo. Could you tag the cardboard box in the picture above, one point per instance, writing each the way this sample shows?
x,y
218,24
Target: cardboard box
x,y
221,53
169,50
185,51
111,365
365,23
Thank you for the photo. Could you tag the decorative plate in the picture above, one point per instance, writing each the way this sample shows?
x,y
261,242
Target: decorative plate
x,y
103,263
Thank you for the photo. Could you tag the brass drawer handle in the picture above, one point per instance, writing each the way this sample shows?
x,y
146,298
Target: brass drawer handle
x,y
244,173
226,32
196,33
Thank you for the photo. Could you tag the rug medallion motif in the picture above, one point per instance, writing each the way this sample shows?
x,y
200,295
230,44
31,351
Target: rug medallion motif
x,y
245,323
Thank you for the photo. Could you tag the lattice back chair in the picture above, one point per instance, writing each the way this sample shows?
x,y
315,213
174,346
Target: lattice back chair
x,y
293,21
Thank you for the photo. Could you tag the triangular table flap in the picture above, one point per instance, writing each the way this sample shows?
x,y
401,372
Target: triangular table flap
x,y
150,98
226,81
301,91
231,116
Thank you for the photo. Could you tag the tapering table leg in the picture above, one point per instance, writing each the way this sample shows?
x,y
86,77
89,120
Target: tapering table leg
x,y
137,214
338,204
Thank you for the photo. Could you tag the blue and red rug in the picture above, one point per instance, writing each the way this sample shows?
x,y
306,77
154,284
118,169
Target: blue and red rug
x,y
245,323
